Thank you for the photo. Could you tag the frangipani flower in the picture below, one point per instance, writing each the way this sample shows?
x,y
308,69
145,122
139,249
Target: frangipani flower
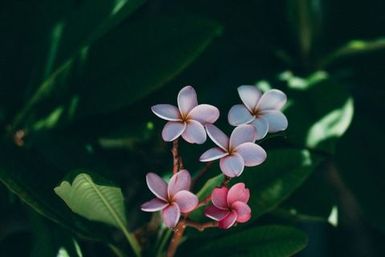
x,y
188,119
260,110
229,206
236,152
172,199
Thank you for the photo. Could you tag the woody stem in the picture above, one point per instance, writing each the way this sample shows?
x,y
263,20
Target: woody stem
x,y
175,156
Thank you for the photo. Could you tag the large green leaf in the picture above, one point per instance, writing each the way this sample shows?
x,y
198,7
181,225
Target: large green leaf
x,y
97,203
267,241
275,180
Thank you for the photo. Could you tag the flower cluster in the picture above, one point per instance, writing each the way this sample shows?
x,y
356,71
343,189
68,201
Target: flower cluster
x,y
259,114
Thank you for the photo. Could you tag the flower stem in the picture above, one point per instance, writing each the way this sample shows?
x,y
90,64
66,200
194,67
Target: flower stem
x,y
175,156
176,238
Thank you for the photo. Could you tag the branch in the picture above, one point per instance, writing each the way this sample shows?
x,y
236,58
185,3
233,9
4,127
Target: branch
x,y
201,226
201,173
175,156
178,234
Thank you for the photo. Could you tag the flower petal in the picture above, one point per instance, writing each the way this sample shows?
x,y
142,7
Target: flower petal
x,y
262,127
242,134
217,136
171,215
186,201
232,165
214,213
172,130
212,154
277,120
228,221
272,100
157,185
166,112
238,192
243,211
187,100
194,133
154,205
204,113
239,114
178,182
250,96
219,198
251,153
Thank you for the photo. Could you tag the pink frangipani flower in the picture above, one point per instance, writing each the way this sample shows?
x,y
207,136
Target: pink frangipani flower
x,y
229,206
172,199
236,152
260,110
188,119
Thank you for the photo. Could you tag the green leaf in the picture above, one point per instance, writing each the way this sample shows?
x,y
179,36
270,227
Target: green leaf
x,y
272,182
319,113
209,186
97,203
267,241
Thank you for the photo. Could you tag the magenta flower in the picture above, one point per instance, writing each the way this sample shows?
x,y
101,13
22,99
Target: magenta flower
x,y
236,152
188,119
172,199
229,206
260,110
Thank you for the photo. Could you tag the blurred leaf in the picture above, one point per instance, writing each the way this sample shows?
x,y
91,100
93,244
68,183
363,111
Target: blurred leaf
x,y
267,241
276,179
209,186
354,47
319,115
97,203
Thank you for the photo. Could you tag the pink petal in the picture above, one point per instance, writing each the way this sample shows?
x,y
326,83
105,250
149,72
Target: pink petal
x,y
171,215
243,211
262,127
239,114
272,100
277,120
194,133
238,192
228,221
232,165
212,154
217,136
157,185
178,182
214,213
242,134
154,205
186,201
172,130
219,198
251,153
187,99
204,113
166,112
250,96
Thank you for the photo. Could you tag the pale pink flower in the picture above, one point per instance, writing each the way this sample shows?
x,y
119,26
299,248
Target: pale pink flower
x,y
229,206
260,110
172,199
188,119
236,152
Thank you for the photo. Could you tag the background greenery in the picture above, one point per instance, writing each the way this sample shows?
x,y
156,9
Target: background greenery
x,y
78,77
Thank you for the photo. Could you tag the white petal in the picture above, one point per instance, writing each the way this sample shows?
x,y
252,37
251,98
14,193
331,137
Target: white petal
x,y
243,134
250,96
262,127
217,136
232,165
277,120
172,130
204,113
272,100
179,181
154,205
212,154
194,133
187,100
251,153
186,201
166,112
171,215
239,114
157,185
